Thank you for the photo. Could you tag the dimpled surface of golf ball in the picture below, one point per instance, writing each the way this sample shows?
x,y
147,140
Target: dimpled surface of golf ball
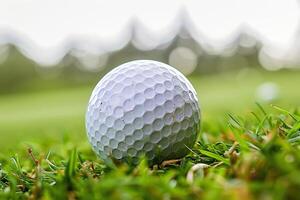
x,y
143,108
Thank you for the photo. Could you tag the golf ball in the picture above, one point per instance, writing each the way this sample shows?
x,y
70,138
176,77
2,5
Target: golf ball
x,y
143,108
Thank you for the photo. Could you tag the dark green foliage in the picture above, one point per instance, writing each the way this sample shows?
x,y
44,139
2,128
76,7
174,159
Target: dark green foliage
x,y
256,157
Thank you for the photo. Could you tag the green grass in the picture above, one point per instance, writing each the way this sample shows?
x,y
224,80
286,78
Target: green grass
x,y
45,154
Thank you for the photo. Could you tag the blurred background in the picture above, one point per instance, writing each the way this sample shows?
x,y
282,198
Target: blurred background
x,y
52,54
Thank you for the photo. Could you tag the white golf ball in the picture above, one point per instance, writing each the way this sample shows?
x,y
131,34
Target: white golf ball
x,y
143,108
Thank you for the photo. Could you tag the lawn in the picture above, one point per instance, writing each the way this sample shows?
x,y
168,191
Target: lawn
x,y
252,156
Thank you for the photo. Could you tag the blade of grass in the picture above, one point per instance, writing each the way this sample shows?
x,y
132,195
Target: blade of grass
x,y
71,165
215,156
293,116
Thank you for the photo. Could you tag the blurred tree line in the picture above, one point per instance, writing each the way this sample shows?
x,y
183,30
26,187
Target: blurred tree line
x,y
17,72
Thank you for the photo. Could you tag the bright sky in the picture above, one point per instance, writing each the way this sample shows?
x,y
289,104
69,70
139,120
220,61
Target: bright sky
x,y
45,25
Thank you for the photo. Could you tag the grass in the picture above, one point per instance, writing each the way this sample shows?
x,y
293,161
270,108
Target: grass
x,y
59,114
253,158
245,150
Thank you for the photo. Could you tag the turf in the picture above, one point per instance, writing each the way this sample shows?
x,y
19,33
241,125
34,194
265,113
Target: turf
x,y
245,150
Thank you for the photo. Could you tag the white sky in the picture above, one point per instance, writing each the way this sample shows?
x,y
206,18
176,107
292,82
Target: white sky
x,y
46,24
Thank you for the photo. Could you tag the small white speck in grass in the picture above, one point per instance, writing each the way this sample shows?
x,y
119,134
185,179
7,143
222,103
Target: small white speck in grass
x,y
173,183
197,167
267,92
